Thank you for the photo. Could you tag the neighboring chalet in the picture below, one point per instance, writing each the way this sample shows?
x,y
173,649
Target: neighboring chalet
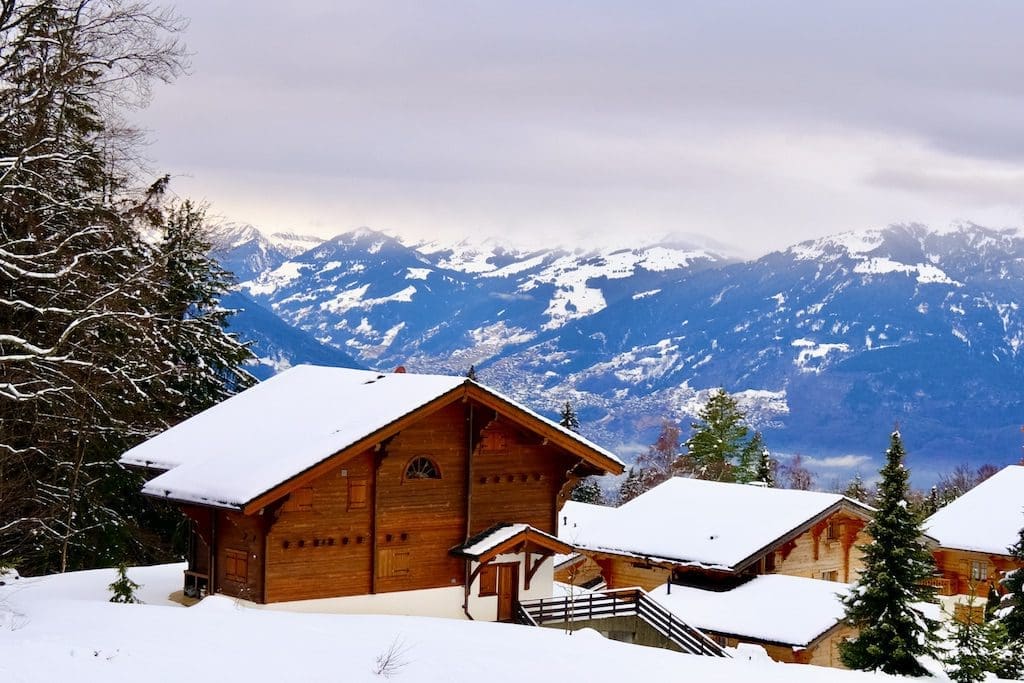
x,y
702,549
706,533
974,534
796,620
432,494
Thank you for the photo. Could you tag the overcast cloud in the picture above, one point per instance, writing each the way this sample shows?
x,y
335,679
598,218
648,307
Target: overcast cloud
x,y
758,123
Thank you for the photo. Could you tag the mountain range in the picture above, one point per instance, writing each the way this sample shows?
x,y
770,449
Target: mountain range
x,y
828,344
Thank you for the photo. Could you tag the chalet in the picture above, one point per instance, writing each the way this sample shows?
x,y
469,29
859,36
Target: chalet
x,y
974,534
742,563
796,620
697,532
415,494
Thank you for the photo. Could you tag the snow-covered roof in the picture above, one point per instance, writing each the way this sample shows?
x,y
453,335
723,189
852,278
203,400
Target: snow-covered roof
x,y
986,519
789,610
705,523
575,518
260,438
483,545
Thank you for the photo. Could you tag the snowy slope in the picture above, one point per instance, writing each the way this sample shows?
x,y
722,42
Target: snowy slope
x,y
61,628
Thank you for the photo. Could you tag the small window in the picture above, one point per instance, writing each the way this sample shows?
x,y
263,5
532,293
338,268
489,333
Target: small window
x,y
979,570
236,565
300,499
357,494
392,562
488,580
831,575
832,531
422,468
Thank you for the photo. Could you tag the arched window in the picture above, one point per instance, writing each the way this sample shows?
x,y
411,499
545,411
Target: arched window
x,y
422,468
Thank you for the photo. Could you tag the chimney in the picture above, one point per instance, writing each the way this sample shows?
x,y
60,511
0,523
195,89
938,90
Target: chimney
x,y
400,369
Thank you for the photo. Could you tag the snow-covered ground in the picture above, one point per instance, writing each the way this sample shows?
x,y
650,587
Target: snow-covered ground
x,y
62,628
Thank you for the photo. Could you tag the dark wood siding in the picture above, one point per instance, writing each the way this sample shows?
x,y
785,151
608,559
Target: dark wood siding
x,y
323,551
420,520
516,478
239,544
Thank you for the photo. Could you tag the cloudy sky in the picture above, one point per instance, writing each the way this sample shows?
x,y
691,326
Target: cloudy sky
x,y
756,123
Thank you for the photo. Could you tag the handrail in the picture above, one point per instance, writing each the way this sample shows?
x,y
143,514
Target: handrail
x,y
620,602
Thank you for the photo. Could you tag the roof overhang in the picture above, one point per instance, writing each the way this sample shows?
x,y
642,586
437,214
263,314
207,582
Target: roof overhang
x,y
501,539
594,459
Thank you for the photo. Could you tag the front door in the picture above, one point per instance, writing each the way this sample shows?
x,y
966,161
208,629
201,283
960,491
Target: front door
x,y
508,591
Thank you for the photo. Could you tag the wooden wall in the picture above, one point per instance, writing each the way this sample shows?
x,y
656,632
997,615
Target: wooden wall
x,y
420,520
239,540
579,572
823,652
955,566
626,572
813,554
515,476
324,550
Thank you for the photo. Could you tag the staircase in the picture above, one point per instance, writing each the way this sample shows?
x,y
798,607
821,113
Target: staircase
x,y
624,602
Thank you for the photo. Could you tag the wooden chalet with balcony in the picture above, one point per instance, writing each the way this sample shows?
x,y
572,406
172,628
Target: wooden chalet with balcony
x,y
713,542
973,535
327,483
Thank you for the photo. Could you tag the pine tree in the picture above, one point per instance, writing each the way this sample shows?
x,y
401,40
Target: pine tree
x,y
968,660
568,418
767,466
1005,657
1012,611
720,446
632,486
587,491
856,490
750,464
123,588
471,373
893,632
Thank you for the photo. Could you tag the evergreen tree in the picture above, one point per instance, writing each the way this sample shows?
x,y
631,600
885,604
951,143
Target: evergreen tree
x,y
856,490
720,447
587,491
123,588
1005,657
893,631
568,419
767,467
1012,610
471,373
632,486
968,660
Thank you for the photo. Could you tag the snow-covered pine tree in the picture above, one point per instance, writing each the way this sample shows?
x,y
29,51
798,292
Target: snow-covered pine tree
x,y
767,467
884,603
967,661
206,360
857,490
587,491
567,417
123,588
719,448
632,486
1012,609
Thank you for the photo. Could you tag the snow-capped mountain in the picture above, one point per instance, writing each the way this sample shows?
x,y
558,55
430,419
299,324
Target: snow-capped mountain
x,y
828,344
246,252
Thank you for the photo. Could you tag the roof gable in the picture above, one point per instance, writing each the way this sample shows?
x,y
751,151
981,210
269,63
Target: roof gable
x,y
987,519
253,445
710,524
503,538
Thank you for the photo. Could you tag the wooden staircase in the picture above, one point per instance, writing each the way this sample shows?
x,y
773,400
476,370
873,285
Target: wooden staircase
x,y
624,602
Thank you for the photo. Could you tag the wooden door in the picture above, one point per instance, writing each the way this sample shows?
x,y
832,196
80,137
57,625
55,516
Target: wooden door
x,y
508,591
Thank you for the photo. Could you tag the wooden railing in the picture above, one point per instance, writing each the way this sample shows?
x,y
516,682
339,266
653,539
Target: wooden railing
x,y
943,586
626,602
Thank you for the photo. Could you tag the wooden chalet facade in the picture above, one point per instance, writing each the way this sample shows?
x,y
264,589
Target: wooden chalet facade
x,y
817,538
713,542
973,535
371,484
